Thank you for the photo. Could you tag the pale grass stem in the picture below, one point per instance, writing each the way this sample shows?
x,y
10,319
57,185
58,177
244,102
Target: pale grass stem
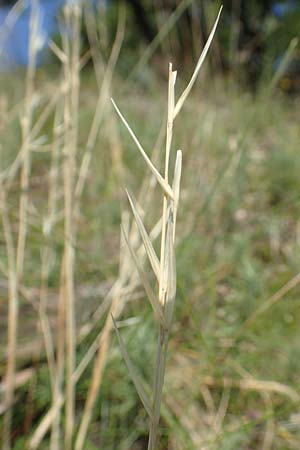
x,y
71,48
55,366
122,291
136,243
12,323
67,56
125,284
100,109
163,267
18,265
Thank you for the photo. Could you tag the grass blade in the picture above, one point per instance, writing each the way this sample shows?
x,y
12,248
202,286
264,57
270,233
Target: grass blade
x,y
144,235
284,64
158,311
171,273
187,90
133,374
177,177
166,187
176,187
159,38
171,105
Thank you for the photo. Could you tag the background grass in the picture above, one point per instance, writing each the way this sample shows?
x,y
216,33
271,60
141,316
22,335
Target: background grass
x,y
239,245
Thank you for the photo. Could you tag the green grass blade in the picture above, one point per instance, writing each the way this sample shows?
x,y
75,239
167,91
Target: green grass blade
x,y
284,64
133,373
162,34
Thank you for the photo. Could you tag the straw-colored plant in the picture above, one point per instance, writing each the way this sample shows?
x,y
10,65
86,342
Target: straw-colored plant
x,y
67,175
16,256
164,266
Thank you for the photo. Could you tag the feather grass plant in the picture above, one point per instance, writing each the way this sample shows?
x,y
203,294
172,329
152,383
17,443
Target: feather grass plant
x,y
164,266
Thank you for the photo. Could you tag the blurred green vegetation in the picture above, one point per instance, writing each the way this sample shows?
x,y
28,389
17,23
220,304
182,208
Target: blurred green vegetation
x,y
238,246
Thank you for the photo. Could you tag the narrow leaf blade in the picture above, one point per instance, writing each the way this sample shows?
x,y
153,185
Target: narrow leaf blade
x,y
170,119
158,311
165,186
144,235
176,187
187,90
133,373
171,272
177,177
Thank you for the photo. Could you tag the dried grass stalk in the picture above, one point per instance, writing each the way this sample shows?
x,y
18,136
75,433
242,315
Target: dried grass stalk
x,y
164,268
16,258
71,47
